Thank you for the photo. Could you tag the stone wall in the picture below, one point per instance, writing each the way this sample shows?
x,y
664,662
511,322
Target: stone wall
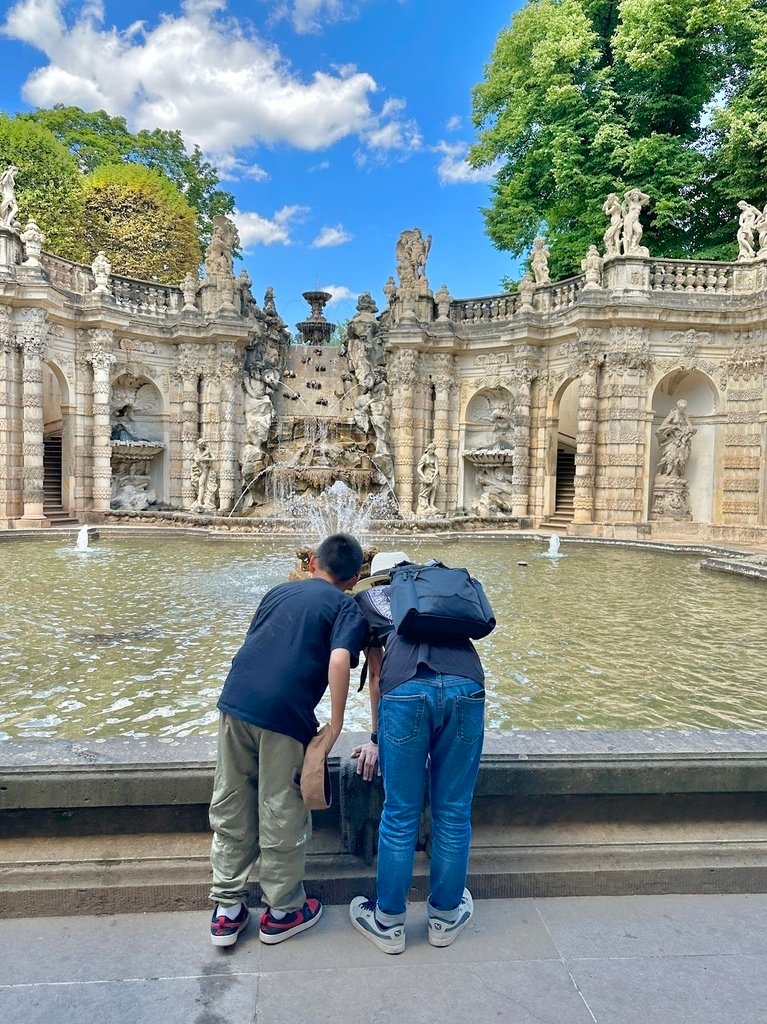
x,y
651,373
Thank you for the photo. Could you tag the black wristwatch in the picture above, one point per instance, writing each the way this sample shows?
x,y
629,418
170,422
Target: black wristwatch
x,y
374,738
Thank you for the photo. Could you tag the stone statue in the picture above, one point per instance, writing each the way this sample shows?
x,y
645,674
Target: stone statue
x,y
210,498
9,207
675,436
34,240
526,290
592,265
102,270
612,237
390,291
270,308
412,251
123,427
218,258
201,467
633,203
428,473
539,261
379,409
443,300
748,222
496,496
761,227
189,287
259,408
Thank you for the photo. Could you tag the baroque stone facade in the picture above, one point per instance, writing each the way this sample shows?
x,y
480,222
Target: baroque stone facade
x,y
630,401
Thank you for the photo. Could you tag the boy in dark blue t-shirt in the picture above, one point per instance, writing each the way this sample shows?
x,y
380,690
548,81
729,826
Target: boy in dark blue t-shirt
x,y
304,637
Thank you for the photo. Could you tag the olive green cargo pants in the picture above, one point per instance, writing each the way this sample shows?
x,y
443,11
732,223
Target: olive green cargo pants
x,y
257,813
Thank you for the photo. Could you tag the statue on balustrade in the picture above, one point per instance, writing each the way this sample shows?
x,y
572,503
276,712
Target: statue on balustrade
x,y
34,240
9,206
539,261
412,251
612,237
750,220
218,258
624,235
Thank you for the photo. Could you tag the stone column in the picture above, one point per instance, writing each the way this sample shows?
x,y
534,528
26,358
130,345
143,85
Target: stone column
x,y
7,354
520,480
189,371
83,427
31,339
454,443
101,359
443,380
587,356
403,381
230,374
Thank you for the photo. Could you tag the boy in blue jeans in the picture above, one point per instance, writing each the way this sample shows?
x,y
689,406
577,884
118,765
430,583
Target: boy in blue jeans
x,y
428,702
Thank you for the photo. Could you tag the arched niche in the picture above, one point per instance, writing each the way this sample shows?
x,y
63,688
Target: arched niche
x,y
703,404
488,421
138,417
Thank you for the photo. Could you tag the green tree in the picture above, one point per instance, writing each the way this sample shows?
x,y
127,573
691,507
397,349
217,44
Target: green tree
x,y
142,222
97,139
48,185
586,97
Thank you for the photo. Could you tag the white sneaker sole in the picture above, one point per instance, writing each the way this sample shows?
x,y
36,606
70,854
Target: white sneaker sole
x,y
272,940
229,940
440,938
385,946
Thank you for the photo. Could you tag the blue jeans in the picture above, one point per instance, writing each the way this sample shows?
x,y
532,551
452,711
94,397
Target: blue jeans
x,y
441,717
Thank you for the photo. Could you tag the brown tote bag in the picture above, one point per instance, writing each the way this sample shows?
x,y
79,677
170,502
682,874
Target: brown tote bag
x,y
315,777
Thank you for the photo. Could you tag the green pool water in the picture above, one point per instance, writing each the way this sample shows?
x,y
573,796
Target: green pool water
x,y
134,637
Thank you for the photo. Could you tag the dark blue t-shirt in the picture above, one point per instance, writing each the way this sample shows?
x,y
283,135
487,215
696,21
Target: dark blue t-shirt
x,y
280,673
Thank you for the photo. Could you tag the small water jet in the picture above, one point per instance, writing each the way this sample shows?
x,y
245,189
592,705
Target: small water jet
x,y
82,539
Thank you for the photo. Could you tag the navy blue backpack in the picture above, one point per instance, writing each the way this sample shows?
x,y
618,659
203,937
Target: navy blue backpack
x,y
432,602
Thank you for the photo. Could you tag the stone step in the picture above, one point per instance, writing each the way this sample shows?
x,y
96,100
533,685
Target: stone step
x,y
171,871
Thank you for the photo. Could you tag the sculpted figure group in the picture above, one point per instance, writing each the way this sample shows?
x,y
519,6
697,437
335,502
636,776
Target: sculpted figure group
x,y
624,235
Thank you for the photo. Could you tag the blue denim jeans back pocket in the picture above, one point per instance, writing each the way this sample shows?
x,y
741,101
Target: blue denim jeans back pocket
x,y
471,716
402,715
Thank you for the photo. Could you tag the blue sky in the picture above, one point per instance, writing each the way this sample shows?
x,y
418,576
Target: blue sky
x,y
338,123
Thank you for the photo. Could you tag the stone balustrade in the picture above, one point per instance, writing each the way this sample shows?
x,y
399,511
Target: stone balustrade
x,y
484,310
145,298
73,277
691,276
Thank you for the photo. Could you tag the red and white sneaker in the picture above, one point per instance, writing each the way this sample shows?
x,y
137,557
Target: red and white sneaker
x,y
273,931
223,931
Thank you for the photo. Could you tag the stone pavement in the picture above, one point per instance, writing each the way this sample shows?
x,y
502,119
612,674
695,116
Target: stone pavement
x,y
571,960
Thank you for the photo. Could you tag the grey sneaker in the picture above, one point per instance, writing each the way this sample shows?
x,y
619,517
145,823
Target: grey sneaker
x,y
441,932
363,917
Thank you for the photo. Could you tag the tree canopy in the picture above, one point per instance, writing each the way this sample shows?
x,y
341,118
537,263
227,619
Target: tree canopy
x,y
586,97
97,139
142,222
48,186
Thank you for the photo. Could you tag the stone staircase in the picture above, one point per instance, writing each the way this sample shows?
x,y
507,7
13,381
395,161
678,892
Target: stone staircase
x,y
565,492
52,504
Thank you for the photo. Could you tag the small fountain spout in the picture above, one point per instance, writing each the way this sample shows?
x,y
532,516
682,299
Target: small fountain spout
x,y
553,551
82,539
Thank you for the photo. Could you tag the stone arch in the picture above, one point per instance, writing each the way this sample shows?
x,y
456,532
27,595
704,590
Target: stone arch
x,y
703,400
58,439
487,420
560,449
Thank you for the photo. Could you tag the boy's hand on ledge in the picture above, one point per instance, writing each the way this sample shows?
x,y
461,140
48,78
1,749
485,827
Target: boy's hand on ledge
x,y
367,760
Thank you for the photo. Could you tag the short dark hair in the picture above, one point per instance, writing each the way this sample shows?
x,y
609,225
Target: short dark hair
x,y
340,555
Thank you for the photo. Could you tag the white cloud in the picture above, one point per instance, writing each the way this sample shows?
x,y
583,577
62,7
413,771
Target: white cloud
x,y
453,124
232,168
321,166
454,170
257,230
201,71
313,15
389,135
339,293
331,236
